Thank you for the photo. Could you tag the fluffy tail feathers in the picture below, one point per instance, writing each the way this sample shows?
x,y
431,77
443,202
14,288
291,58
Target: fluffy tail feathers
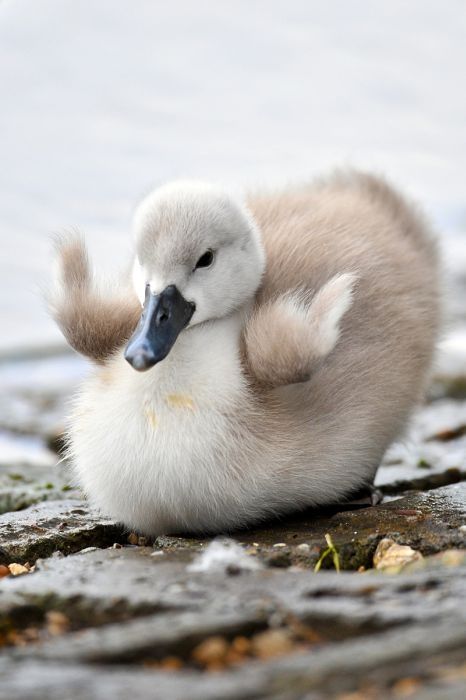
x,y
92,324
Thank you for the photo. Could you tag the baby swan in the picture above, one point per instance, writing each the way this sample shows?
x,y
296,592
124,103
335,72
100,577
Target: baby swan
x,y
281,346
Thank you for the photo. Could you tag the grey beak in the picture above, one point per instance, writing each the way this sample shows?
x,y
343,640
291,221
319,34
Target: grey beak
x,y
163,318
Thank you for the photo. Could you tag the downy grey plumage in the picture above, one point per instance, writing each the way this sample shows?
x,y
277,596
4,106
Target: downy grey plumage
x,y
305,339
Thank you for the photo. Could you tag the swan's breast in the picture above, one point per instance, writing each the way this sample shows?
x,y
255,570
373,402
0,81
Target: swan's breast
x,y
165,435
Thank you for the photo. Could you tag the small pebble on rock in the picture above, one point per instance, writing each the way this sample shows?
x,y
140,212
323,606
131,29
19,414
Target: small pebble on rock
x,y
57,623
211,650
4,571
392,557
303,548
272,643
18,569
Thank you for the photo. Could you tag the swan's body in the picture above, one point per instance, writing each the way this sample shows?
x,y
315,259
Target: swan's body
x,y
283,394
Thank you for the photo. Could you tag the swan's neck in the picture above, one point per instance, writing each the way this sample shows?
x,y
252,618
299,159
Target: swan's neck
x,y
204,363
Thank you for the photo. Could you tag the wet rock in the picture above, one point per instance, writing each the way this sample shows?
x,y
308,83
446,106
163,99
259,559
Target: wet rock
x,y
34,393
448,558
22,496
450,375
42,529
37,681
26,483
123,607
433,453
30,473
24,451
369,628
356,603
111,619
440,678
429,522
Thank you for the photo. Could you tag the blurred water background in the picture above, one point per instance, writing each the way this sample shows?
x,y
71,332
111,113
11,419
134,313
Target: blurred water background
x,y
103,99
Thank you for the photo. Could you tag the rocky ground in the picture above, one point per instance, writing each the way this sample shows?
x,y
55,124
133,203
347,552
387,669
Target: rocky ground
x,y
354,602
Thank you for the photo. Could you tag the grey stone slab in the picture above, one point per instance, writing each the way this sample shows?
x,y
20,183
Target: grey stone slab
x,y
429,521
48,681
40,530
27,483
125,604
382,658
377,660
134,575
20,496
152,637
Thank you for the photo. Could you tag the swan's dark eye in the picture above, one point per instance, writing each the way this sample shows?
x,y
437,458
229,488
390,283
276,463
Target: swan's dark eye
x,y
205,260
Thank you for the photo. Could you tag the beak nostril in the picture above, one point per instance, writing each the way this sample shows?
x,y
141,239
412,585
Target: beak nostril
x,y
163,317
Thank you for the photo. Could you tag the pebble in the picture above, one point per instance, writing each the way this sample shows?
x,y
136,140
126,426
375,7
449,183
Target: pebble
x,y
57,622
171,663
18,569
303,548
4,571
392,556
241,645
211,651
272,643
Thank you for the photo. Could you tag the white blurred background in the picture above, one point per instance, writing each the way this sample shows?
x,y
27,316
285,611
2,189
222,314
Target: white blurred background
x,y
103,99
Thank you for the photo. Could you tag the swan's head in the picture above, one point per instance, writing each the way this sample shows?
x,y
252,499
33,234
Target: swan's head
x,y
199,257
